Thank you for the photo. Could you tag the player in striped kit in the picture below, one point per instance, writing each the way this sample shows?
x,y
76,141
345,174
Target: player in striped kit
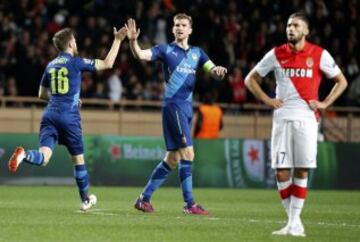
x,y
298,67
180,63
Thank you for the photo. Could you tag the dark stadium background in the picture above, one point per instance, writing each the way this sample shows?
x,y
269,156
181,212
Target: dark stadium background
x,y
235,34
123,139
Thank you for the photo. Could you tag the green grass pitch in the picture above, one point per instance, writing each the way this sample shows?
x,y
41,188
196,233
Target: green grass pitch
x,y
51,214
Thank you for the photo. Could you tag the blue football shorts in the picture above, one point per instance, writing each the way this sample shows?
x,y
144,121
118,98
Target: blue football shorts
x,y
63,127
177,121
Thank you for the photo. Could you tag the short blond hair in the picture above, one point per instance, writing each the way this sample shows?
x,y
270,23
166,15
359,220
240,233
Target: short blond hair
x,y
183,16
62,38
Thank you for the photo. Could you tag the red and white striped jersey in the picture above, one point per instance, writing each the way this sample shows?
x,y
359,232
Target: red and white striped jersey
x,y
298,75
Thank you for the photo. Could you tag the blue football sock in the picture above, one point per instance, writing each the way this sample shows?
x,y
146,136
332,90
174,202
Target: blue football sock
x,y
82,181
157,178
185,175
34,157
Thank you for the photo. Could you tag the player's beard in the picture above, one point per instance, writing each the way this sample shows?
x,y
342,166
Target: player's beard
x,y
295,40
180,38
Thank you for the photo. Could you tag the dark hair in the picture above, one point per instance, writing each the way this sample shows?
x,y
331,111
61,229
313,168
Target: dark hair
x,y
62,37
300,15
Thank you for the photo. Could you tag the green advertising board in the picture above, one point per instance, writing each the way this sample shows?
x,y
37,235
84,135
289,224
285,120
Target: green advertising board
x,y
60,165
114,160
129,161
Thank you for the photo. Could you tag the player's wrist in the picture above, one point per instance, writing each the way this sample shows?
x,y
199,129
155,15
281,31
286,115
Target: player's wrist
x,y
326,104
267,100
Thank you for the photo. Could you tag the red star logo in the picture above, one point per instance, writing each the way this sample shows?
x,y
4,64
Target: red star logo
x,y
115,151
253,154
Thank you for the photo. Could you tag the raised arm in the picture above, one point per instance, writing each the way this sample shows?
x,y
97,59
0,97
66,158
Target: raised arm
x,y
133,34
252,83
108,62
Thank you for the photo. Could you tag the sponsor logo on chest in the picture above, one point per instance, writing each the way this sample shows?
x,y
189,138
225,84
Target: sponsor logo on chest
x,y
185,68
304,72
297,72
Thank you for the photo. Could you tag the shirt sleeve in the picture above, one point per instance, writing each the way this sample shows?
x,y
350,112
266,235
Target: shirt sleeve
x,y
205,61
44,80
158,52
266,64
84,64
328,65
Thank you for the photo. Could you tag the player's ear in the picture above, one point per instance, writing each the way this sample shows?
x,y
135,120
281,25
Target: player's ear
x,y
190,31
70,45
306,29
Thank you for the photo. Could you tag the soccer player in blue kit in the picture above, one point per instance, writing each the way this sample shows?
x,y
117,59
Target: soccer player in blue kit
x,y
60,86
180,62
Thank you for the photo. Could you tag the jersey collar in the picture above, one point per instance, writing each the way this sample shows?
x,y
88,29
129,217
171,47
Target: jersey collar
x,y
63,53
305,49
175,44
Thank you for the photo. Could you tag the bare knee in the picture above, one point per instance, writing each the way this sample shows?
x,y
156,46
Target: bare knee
x,y
187,153
78,159
47,152
282,175
301,173
172,158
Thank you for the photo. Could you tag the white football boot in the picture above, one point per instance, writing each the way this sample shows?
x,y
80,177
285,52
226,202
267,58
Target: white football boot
x,y
282,231
297,229
86,205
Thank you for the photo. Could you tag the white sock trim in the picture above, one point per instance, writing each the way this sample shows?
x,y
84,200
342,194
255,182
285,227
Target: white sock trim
x,y
301,182
283,185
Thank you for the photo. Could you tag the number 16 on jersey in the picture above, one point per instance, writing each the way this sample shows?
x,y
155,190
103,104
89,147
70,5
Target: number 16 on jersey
x,y
59,80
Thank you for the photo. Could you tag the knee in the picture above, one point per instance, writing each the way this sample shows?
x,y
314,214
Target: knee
x,y
188,154
47,157
78,159
172,159
47,153
172,163
282,175
46,161
301,173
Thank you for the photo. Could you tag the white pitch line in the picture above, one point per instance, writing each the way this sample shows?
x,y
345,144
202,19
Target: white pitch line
x,y
97,211
197,216
309,223
103,212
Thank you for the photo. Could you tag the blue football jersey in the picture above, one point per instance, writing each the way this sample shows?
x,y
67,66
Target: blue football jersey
x,y
179,67
63,77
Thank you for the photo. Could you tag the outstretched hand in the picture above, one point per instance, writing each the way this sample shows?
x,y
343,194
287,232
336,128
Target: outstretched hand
x,y
120,34
132,32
